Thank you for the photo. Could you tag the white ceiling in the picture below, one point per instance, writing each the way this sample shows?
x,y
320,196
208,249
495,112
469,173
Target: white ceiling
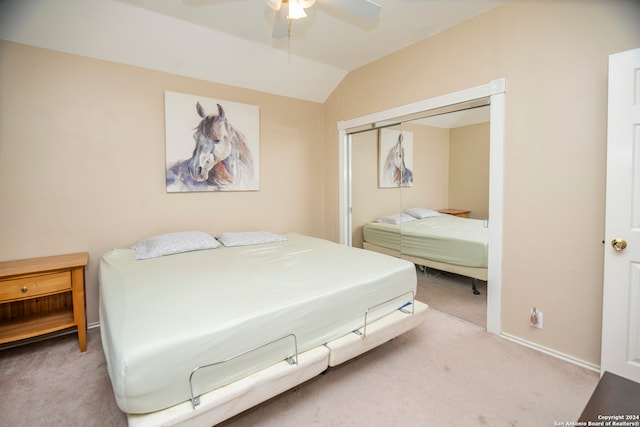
x,y
457,118
229,41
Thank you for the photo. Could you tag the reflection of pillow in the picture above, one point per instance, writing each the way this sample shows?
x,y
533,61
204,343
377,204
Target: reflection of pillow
x,y
421,213
396,219
245,238
174,243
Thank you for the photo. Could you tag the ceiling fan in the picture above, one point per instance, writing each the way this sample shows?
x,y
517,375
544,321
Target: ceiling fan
x,y
287,10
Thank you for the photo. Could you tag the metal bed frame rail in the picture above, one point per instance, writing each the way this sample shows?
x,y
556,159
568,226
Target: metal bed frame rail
x,y
363,334
195,400
292,360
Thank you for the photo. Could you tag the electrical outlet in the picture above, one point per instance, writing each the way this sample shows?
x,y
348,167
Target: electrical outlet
x,y
535,318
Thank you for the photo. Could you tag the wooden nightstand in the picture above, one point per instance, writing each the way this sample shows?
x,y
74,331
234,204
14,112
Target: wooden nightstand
x,y
456,212
43,295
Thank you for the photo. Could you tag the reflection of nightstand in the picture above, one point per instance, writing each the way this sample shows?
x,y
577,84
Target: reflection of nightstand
x,y
456,212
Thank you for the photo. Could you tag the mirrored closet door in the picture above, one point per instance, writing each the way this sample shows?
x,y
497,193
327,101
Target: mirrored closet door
x,y
375,198
440,165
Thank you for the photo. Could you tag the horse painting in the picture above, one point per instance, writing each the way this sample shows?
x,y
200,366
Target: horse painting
x,y
221,159
395,172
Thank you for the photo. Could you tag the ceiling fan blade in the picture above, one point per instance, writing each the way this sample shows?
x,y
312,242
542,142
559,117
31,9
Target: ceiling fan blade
x,y
280,24
366,9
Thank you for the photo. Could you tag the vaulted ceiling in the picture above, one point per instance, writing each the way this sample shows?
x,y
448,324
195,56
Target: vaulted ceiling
x,y
230,41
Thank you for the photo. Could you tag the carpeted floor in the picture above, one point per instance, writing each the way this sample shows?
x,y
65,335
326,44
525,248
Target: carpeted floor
x,y
452,294
50,383
445,372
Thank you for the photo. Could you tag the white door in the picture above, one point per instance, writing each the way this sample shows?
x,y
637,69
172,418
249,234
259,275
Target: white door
x,y
621,298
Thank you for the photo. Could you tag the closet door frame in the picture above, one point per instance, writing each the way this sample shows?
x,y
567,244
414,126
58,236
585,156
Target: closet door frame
x,y
494,92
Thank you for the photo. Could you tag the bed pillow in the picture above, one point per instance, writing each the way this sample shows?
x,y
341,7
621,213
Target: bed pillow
x,y
422,213
174,243
244,238
396,219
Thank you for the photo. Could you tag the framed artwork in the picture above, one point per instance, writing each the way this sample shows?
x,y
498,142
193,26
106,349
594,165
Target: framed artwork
x,y
395,158
211,144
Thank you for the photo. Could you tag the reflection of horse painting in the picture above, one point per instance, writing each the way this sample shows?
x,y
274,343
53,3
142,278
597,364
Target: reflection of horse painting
x,y
221,159
395,172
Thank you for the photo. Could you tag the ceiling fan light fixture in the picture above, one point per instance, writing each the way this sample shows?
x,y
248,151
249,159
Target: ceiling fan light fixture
x,y
296,9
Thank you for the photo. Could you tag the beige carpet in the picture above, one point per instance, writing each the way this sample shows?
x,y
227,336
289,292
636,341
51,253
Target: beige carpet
x,y
452,294
50,383
445,372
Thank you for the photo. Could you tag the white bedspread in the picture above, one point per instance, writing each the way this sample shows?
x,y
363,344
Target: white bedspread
x,y
445,238
162,317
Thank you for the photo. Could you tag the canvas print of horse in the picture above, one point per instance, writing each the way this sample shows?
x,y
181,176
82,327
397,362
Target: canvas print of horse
x,y
395,158
211,144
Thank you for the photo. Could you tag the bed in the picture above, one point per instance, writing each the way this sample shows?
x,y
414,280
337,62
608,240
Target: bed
x,y
430,239
196,336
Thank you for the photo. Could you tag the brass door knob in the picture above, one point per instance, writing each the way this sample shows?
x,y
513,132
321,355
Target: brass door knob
x,y
618,244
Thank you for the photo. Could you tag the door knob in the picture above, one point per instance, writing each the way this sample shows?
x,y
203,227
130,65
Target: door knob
x,y
618,244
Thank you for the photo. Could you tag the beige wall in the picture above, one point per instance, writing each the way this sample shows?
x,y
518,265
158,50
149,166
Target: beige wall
x,y
554,56
469,169
431,162
82,153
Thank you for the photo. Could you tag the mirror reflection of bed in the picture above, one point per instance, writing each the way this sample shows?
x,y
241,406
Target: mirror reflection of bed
x,y
450,171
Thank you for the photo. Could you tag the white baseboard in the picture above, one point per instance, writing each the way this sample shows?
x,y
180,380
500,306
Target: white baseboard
x,y
93,325
551,352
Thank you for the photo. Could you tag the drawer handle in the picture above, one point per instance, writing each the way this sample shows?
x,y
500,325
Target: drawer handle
x,y
24,289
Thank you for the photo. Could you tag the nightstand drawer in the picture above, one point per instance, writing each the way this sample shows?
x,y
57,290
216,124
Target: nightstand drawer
x,y
29,287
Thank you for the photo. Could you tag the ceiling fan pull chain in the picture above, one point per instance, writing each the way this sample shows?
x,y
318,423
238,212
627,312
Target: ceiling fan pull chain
x,y
289,39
